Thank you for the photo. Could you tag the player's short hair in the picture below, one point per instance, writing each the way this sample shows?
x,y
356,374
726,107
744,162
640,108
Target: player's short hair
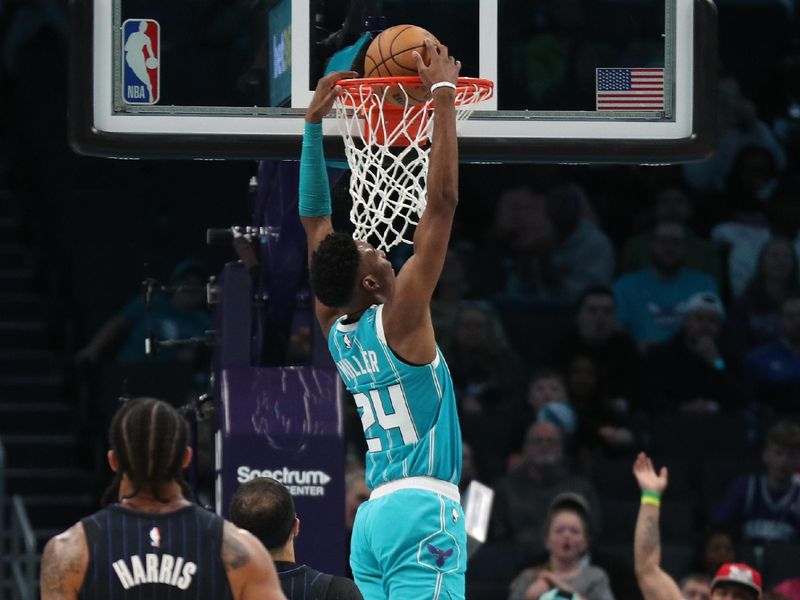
x,y
784,433
149,438
264,507
334,267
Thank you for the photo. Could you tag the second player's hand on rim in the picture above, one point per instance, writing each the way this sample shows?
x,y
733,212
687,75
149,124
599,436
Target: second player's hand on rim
x,y
325,95
442,67
646,475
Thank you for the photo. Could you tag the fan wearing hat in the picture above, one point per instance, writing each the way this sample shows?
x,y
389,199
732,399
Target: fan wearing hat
x,y
733,581
690,372
736,581
568,572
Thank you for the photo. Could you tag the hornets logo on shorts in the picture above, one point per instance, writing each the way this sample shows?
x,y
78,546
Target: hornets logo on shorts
x,y
141,64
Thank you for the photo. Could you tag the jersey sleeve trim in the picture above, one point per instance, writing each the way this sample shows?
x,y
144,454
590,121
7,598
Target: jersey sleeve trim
x,y
382,337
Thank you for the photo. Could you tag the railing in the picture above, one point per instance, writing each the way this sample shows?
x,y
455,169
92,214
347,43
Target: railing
x,y
23,556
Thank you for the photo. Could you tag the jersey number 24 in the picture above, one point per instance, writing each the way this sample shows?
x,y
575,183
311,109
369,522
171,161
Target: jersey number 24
x,y
399,418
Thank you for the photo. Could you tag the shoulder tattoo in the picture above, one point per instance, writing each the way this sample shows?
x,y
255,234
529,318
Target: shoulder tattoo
x,y
64,559
234,551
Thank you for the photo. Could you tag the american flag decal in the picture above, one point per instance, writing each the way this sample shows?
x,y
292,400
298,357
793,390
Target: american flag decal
x,y
630,89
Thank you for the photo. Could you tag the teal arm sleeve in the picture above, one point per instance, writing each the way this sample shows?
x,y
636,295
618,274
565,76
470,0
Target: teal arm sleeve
x,y
315,191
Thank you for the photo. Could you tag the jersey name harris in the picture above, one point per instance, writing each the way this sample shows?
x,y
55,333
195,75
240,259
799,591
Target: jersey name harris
x,y
156,568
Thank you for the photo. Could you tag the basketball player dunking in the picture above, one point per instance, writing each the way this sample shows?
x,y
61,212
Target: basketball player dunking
x,y
408,539
152,542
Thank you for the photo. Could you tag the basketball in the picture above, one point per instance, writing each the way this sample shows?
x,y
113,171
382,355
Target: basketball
x,y
151,63
391,55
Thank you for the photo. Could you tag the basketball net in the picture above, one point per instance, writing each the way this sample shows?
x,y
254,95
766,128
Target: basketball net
x,y
387,137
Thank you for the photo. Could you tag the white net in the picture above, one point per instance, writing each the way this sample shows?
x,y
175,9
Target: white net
x,y
387,147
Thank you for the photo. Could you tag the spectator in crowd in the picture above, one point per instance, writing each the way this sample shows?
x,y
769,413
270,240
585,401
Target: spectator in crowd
x,y
758,212
265,508
739,127
582,255
732,581
674,203
775,368
649,301
689,372
715,548
181,315
520,235
559,250
790,589
766,507
548,400
449,293
524,495
567,538
486,376
605,425
755,316
596,333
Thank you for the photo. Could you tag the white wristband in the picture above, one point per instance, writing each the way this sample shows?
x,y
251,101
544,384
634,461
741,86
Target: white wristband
x,y
442,84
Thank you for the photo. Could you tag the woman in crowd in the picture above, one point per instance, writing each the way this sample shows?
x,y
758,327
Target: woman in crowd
x,y
755,317
568,567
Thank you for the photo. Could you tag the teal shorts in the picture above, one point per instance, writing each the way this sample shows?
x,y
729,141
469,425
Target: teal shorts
x,y
409,545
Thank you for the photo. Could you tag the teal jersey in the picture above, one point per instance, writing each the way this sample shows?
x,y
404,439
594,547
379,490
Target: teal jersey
x,y
408,412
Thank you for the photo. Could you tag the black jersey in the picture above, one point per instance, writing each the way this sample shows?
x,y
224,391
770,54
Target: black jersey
x,y
159,556
301,582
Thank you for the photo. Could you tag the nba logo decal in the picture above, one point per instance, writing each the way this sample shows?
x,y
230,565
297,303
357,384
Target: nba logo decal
x,y
155,537
141,65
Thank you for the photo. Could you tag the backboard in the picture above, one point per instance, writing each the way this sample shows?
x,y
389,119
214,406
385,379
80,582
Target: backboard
x,y
575,80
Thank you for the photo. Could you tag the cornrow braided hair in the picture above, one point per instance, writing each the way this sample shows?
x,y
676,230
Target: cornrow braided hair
x,y
148,437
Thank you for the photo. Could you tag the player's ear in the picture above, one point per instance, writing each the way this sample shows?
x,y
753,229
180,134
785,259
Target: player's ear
x,y
370,284
187,458
296,527
112,460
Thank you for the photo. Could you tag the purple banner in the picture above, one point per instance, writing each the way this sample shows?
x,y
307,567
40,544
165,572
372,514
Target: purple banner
x,y
285,423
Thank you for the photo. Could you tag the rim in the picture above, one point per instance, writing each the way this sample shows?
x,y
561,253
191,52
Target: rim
x,y
463,82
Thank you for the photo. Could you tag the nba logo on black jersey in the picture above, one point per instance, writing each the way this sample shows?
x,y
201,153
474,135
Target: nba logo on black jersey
x,y
141,61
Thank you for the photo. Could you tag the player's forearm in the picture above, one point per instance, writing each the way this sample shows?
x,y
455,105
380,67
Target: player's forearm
x,y
647,540
443,171
315,192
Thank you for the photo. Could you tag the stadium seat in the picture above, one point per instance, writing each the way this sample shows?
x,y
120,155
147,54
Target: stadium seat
x,y
676,559
614,479
696,438
717,474
619,520
781,561
494,563
677,520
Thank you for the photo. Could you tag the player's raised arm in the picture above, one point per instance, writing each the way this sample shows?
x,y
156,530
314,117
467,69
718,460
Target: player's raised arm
x,y
407,314
315,195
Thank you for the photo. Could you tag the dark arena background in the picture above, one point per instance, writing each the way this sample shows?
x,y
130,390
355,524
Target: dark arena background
x,y
603,295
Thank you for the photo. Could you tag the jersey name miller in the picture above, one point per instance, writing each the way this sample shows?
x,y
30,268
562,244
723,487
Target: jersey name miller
x,y
354,366
155,568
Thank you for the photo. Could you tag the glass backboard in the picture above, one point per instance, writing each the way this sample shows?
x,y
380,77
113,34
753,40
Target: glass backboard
x,y
576,80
